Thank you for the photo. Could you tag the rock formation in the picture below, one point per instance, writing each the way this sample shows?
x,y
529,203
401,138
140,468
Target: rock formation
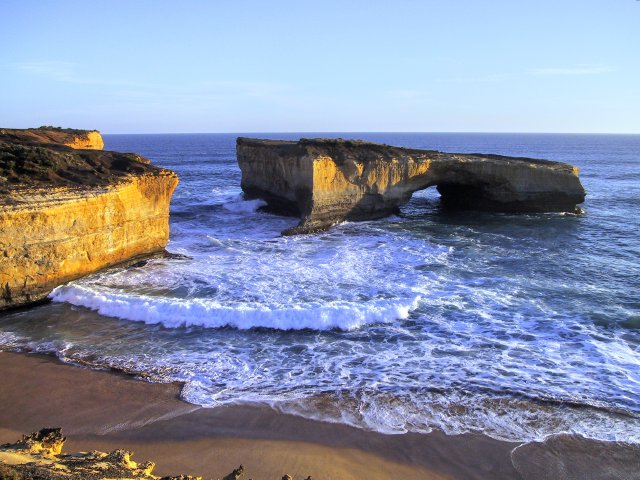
x,y
326,181
66,212
39,456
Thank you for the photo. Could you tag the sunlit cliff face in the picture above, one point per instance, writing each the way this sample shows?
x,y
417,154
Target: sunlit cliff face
x,y
65,215
91,140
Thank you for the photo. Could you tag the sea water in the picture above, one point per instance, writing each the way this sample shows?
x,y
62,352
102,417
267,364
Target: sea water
x,y
517,326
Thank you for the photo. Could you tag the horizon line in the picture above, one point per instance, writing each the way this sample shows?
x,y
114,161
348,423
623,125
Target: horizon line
x,y
367,132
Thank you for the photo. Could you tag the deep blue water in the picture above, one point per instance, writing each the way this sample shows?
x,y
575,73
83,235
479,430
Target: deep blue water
x,y
519,326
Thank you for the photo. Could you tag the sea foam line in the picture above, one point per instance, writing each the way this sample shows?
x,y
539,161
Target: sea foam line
x,y
208,313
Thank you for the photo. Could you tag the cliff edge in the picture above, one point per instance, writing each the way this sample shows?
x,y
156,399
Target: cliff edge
x,y
70,137
326,181
67,212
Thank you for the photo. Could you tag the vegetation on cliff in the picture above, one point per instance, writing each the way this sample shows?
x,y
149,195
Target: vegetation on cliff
x,y
38,166
30,162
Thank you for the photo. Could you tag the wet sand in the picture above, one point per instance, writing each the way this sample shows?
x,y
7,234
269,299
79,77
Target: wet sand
x,y
104,411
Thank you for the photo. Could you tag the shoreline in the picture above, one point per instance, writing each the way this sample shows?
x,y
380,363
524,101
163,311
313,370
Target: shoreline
x,y
118,411
105,411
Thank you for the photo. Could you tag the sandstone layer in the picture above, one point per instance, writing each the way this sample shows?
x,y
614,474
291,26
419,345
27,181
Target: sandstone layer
x,y
326,181
65,213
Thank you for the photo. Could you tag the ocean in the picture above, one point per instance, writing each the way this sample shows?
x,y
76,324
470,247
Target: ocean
x,y
515,326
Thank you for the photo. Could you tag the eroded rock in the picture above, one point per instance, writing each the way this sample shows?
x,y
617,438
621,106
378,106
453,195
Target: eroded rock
x,y
325,181
39,456
47,442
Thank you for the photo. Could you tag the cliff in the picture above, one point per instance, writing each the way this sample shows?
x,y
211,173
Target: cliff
x,y
65,213
326,181
78,139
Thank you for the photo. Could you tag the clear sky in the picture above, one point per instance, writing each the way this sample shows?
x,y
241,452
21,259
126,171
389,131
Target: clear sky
x,y
140,66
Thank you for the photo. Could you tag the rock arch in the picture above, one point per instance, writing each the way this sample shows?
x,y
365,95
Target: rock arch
x,y
326,181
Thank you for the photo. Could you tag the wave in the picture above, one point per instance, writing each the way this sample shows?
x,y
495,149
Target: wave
x,y
416,410
451,412
174,313
244,206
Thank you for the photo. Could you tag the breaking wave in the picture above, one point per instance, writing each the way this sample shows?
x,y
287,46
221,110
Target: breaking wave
x,y
175,313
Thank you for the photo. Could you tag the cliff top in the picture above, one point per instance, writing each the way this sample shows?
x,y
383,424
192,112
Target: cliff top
x,y
29,162
71,137
339,148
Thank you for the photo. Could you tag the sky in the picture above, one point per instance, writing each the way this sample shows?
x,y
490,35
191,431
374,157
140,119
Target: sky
x,y
189,66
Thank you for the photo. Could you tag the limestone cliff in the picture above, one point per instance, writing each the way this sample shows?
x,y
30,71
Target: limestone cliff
x,y
92,140
65,213
79,139
326,181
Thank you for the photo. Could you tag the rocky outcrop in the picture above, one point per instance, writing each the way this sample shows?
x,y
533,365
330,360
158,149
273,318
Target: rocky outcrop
x,y
326,181
70,137
65,213
39,456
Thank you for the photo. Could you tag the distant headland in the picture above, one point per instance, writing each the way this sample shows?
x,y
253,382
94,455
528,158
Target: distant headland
x,y
71,137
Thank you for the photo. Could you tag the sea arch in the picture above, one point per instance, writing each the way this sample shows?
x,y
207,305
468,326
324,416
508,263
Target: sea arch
x,y
326,181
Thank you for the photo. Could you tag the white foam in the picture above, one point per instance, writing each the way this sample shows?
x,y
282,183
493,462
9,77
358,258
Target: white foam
x,y
174,313
509,420
244,206
214,241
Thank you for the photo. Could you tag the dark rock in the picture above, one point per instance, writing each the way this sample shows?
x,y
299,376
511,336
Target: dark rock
x,y
236,474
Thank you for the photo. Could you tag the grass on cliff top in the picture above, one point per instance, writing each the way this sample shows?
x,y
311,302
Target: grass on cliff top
x,y
65,130
35,166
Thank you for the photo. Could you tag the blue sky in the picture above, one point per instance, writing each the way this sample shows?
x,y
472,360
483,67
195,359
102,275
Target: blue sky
x,y
268,66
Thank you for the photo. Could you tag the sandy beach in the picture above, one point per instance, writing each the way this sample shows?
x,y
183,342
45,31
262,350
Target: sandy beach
x,y
105,411
101,410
